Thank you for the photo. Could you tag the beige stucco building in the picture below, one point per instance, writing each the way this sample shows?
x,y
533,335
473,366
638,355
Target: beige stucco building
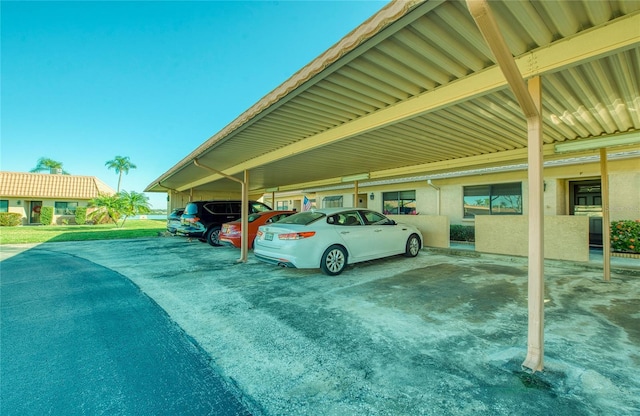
x,y
27,193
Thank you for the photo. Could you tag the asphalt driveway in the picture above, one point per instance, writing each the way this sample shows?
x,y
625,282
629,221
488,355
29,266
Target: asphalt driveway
x,y
436,334
81,339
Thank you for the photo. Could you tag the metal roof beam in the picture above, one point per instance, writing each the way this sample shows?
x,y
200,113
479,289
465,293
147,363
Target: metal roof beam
x,y
617,36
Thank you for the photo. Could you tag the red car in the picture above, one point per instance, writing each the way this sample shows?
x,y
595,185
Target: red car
x,y
231,231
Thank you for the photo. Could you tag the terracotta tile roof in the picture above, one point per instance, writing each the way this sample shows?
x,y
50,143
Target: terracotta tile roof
x,y
45,185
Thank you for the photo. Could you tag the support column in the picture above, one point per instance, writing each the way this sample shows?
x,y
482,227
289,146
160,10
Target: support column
x,y
355,195
606,218
535,344
244,219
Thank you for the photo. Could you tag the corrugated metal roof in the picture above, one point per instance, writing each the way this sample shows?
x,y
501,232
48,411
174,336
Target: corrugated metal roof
x,y
415,88
43,185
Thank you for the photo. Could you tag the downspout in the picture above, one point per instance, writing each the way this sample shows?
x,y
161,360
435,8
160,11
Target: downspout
x,y
245,202
437,188
531,108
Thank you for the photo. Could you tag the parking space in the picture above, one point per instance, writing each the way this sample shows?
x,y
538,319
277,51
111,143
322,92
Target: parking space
x,y
435,334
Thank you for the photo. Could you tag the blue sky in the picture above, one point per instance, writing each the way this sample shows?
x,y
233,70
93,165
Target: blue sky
x,y
82,82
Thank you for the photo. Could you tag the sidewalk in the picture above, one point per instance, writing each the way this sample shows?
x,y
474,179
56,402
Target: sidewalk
x,y
623,265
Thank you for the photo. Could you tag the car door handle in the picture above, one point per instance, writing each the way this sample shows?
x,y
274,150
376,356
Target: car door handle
x,y
378,230
344,232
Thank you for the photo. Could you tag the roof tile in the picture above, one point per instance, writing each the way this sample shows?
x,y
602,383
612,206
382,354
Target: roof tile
x,y
45,185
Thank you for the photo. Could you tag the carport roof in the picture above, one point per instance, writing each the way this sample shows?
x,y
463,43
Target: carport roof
x,y
416,90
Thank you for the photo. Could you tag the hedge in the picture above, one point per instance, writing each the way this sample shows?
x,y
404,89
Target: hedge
x,y
625,236
462,233
46,215
10,219
81,215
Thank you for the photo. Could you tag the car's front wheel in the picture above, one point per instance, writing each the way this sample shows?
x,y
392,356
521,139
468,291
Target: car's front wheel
x,y
213,236
413,246
334,260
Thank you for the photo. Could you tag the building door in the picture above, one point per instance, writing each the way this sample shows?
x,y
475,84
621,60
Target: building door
x,y
586,200
34,216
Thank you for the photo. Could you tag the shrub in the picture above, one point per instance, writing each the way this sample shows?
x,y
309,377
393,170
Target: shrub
x,y
10,219
459,232
625,236
81,215
46,215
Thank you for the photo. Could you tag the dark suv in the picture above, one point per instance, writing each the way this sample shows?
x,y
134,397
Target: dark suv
x,y
203,219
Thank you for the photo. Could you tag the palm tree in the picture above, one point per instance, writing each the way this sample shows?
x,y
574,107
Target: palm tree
x,y
46,164
120,164
133,203
108,207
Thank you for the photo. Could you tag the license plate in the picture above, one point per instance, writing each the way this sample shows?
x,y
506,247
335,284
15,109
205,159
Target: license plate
x,y
268,236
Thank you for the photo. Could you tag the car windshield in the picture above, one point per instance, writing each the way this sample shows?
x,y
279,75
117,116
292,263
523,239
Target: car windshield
x,y
302,218
259,207
191,209
253,217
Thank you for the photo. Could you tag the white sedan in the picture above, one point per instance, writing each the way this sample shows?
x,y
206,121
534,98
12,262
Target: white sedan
x,y
331,238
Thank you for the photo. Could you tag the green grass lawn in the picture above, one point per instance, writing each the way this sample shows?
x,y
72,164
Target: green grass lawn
x,y
53,233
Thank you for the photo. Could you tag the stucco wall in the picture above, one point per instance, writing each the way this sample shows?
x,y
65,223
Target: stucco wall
x,y
434,228
624,198
22,206
566,237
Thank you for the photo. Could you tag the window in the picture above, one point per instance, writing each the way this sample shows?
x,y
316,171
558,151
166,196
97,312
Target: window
x,y
373,218
282,205
399,203
332,201
501,199
350,218
66,208
4,205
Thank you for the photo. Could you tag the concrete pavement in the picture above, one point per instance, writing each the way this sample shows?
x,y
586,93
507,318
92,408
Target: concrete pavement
x,y
439,334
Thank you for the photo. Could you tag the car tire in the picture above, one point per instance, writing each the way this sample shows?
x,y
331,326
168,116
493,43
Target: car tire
x,y
334,260
413,246
213,236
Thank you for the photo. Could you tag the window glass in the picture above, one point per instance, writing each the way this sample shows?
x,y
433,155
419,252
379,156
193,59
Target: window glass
x,y
65,208
282,205
332,201
346,218
257,207
476,200
304,218
253,217
499,199
375,218
277,218
399,203
216,208
4,205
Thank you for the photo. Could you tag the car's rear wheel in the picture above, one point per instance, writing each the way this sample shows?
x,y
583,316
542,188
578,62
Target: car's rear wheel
x,y
413,246
213,236
334,260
